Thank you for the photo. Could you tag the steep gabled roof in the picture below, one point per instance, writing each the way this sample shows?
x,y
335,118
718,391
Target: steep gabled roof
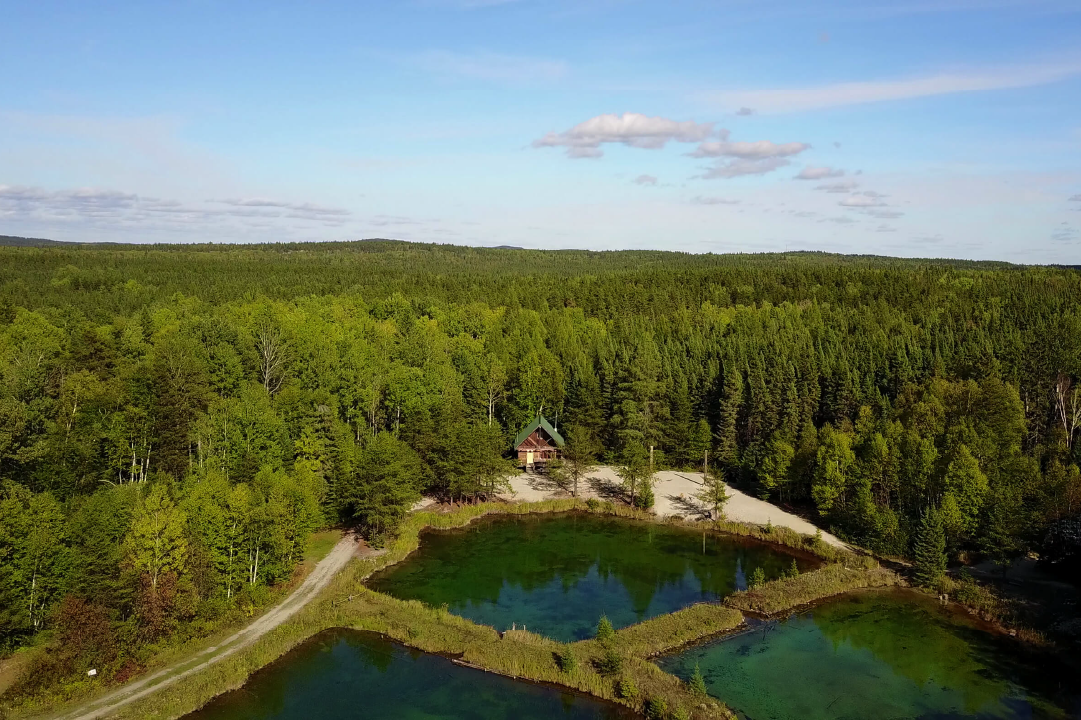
x,y
539,422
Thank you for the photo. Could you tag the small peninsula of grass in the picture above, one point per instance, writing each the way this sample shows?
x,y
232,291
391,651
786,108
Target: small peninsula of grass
x,y
784,595
598,668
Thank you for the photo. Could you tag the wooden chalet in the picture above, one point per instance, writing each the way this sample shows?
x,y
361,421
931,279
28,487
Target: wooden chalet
x,y
537,443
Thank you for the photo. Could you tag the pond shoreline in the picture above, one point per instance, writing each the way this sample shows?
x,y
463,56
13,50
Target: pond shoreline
x,y
347,603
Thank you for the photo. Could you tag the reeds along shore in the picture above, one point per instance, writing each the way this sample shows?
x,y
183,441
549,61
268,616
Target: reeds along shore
x,y
617,670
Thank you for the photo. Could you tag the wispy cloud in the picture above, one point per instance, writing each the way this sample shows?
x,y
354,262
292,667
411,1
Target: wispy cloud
x,y
645,180
842,186
585,139
308,209
747,150
727,169
710,200
787,100
819,173
112,208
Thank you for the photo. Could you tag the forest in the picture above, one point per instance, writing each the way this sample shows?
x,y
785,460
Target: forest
x,y
175,421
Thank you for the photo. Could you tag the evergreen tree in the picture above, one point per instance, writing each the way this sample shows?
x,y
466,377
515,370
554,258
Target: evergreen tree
x,y
929,553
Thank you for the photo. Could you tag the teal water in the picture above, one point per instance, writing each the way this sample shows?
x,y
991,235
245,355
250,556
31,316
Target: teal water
x,y
557,575
895,654
343,674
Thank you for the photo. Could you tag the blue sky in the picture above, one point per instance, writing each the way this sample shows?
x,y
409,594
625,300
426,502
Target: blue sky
x,y
914,128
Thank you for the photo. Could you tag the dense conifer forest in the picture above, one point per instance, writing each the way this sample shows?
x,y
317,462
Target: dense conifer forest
x,y
176,420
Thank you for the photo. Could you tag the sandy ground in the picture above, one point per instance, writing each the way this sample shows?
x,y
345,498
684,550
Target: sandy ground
x,y
327,568
676,494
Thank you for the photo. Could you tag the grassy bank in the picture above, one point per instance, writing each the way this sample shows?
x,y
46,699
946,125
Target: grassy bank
x,y
667,632
784,595
586,666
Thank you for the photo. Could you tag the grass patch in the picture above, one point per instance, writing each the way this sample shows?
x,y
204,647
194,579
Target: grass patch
x,y
319,546
346,602
667,632
782,595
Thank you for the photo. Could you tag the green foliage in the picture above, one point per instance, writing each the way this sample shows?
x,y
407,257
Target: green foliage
x,y
605,631
386,481
610,662
269,381
698,683
157,542
757,579
627,689
793,570
714,493
645,498
656,708
568,662
579,455
930,549
635,471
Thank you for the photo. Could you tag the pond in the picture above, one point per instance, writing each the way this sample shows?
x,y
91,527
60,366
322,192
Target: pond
x,y
557,574
886,654
342,674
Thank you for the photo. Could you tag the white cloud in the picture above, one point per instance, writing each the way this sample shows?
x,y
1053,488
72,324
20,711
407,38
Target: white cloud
x,y
1075,198
843,186
744,111
747,150
885,229
709,200
111,208
784,100
819,173
302,208
645,180
585,139
741,166
863,200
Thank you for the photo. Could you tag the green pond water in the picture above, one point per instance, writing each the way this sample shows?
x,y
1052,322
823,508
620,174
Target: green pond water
x,y
558,574
894,654
346,674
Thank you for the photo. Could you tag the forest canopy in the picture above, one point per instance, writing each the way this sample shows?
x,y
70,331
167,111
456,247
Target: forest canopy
x,y
176,420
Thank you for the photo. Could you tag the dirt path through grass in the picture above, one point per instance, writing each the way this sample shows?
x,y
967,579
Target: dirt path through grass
x,y
327,568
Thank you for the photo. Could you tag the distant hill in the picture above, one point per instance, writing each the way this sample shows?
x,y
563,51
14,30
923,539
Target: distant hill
x,y
16,241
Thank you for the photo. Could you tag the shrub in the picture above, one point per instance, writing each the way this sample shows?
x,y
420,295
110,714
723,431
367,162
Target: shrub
x,y
605,631
793,570
567,662
593,504
644,499
610,662
758,578
680,713
627,689
656,708
698,683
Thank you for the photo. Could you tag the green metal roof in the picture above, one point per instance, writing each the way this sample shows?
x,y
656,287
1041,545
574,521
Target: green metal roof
x,y
539,422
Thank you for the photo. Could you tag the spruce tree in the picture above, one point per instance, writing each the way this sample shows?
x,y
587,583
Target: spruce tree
x,y
698,683
930,550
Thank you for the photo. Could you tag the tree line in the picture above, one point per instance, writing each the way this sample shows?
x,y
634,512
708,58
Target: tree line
x,y
176,421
